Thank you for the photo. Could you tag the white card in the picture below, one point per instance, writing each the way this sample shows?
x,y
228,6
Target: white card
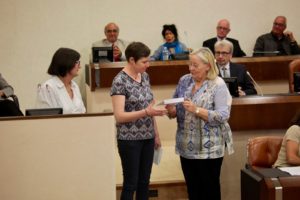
x,y
157,155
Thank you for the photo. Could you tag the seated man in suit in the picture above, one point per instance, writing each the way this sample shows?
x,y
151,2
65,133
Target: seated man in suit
x,y
223,28
277,42
111,31
7,107
223,54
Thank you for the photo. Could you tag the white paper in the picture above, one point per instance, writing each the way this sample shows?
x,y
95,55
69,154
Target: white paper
x,y
171,101
291,170
157,155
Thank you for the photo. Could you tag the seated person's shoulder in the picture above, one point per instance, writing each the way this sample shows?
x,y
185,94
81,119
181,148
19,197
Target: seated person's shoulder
x,y
210,40
232,40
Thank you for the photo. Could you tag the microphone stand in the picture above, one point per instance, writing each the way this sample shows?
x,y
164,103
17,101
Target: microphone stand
x,y
259,88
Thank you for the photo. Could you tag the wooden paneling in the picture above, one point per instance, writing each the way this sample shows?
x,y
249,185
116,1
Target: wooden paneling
x,y
263,112
169,72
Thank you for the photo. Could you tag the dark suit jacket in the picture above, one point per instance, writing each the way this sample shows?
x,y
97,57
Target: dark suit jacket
x,y
244,81
237,51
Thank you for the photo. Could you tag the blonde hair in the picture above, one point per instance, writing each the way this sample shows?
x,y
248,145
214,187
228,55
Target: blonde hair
x,y
207,57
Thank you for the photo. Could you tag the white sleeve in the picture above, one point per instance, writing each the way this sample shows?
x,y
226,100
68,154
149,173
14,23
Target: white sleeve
x,y
46,97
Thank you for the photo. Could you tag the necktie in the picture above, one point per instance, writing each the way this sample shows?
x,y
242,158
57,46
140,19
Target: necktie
x,y
225,72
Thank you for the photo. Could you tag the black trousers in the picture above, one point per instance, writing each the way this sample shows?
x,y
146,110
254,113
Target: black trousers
x,y
136,158
9,108
202,177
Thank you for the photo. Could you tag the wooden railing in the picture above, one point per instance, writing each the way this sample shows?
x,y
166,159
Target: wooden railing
x,y
169,72
263,112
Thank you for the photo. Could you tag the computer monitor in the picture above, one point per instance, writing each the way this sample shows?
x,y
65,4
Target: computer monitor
x,y
43,111
180,56
102,54
232,85
296,81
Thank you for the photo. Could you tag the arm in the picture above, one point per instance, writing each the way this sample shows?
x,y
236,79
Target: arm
x,y
222,105
122,116
5,89
200,112
259,45
157,53
292,152
46,97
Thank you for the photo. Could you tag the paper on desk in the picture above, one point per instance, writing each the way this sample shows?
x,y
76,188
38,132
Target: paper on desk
x,y
171,101
157,155
291,170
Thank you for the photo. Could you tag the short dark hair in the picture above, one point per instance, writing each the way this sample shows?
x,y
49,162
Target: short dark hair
x,y
137,50
63,61
170,27
296,119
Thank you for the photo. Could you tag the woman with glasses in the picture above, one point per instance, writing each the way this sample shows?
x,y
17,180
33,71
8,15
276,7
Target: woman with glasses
x,y
61,91
203,131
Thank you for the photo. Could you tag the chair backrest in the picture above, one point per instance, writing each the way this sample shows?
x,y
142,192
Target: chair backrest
x,y
294,66
263,151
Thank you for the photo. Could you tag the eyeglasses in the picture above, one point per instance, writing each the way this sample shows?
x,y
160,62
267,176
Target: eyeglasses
x,y
193,65
223,53
111,31
222,28
278,24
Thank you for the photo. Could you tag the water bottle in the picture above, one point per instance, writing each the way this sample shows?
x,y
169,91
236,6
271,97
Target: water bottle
x,y
165,53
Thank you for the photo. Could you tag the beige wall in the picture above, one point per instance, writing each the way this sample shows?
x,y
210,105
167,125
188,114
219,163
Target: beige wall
x,y
59,158
32,30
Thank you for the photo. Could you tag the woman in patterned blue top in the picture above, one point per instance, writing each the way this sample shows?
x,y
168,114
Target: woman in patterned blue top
x,y
137,134
203,131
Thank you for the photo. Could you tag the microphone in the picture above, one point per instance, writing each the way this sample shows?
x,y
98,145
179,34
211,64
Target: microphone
x,y
265,53
259,88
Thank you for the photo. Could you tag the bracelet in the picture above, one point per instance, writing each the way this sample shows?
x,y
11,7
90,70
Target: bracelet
x,y
146,113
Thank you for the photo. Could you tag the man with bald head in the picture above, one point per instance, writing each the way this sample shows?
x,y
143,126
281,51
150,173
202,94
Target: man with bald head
x,y
223,28
111,31
278,41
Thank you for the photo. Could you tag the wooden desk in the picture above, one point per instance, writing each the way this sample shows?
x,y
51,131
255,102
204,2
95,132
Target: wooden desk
x,y
169,72
263,112
256,186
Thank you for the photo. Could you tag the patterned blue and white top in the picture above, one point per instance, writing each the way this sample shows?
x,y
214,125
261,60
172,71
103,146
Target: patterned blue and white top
x,y
196,138
137,97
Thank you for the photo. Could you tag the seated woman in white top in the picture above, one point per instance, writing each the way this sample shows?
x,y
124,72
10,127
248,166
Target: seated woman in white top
x,y
61,91
289,154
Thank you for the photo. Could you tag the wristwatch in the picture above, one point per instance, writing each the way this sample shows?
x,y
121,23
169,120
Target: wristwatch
x,y
197,110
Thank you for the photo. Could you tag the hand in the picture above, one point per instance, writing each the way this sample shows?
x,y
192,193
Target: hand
x,y
241,92
290,35
117,52
151,111
171,110
1,93
189,106
157,142
190,50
